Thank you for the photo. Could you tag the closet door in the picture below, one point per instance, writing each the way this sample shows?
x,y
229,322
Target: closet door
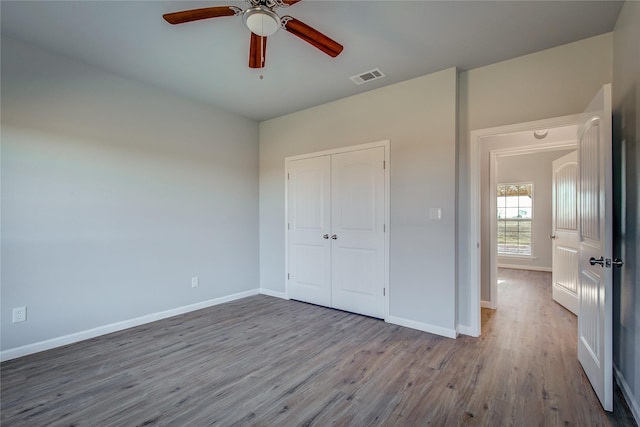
x,y
309,250
357,231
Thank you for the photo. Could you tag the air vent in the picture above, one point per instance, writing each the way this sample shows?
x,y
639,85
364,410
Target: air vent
x,y
368,76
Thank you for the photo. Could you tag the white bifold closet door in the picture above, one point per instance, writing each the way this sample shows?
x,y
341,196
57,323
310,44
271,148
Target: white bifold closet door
x,y
336,231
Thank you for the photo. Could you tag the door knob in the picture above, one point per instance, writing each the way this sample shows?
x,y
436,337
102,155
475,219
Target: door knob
x,y
594,261
334,237
617,262
553,236
326,236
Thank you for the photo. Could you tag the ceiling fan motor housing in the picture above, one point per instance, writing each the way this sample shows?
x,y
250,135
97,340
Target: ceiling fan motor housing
x,y
261,20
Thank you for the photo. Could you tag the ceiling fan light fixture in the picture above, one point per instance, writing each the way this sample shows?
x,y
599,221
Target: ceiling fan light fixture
x,y
261,21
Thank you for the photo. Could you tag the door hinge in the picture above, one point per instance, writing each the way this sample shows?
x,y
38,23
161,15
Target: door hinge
x,y
384,228
384,164
288,226
288,276
384,292
288,177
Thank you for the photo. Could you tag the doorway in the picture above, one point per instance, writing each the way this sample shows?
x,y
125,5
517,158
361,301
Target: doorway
x,y
486,146
521,208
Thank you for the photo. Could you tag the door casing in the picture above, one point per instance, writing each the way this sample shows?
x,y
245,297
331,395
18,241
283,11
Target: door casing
x,y
478,140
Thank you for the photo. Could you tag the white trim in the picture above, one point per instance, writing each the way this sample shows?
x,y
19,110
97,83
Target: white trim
x,y
285,278
466,330
488,304
525,267
475,142
493,229
387,221
514,256
425,327
24,350
632,402
382,143
275,294
387,208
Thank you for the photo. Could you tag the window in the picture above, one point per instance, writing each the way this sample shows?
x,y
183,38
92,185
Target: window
x,y
515,212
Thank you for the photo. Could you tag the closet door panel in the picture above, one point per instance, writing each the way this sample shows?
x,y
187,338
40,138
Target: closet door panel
x,y
357,217
309,226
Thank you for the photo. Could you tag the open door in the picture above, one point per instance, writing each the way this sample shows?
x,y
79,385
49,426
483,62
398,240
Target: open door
x,y
595,234
564,235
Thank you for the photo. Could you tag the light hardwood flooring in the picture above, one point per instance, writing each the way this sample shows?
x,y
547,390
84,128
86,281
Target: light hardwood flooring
x,y
269,362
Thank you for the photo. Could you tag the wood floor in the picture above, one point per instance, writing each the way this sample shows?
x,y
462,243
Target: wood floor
x,y
269,362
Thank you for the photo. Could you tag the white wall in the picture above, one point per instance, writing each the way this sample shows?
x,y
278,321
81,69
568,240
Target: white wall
x,y
114,194
626,150
535,168
419,118
550,83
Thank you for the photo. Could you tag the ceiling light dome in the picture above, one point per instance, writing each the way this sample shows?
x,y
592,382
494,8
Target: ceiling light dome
x,y
541,133
261,21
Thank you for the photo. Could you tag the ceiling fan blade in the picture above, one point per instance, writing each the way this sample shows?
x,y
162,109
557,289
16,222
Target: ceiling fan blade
x,y
197,14
257,53
311,36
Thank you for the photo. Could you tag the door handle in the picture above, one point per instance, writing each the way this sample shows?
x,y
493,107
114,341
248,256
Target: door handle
x,y
617,262
594,261
326,236
334,237
553,236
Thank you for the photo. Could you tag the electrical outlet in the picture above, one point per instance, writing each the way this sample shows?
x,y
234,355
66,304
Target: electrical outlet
x,y
19,314
194,282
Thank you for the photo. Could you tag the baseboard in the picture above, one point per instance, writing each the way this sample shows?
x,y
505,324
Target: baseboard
x,y
271,293
632,402
467,330
25,350
487,304
425,327
525,267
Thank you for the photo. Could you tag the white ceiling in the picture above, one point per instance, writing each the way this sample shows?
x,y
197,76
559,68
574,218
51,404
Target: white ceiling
x,y
208,60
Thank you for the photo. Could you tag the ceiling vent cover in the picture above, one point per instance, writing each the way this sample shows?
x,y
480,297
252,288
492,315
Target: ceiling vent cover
x,y
368,76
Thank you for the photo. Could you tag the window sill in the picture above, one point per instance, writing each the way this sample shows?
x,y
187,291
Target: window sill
x,y
529,257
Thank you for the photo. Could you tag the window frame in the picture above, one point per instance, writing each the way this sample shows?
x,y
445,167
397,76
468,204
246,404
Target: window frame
x,y
500,254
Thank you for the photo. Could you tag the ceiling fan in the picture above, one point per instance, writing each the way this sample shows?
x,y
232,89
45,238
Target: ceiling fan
x,y
262,21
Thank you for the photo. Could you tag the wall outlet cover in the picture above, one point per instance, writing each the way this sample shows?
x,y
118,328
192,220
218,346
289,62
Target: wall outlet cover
x,y
19,314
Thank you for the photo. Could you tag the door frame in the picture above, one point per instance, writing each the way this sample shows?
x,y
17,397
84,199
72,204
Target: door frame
x,y
478,140
386,145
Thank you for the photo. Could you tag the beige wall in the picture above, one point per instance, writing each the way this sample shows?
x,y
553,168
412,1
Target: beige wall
x,y
551,83
419,118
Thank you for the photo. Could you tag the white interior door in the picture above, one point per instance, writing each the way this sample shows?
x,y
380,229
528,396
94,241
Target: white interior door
x,y
595,233
565,232
357,222
309,216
